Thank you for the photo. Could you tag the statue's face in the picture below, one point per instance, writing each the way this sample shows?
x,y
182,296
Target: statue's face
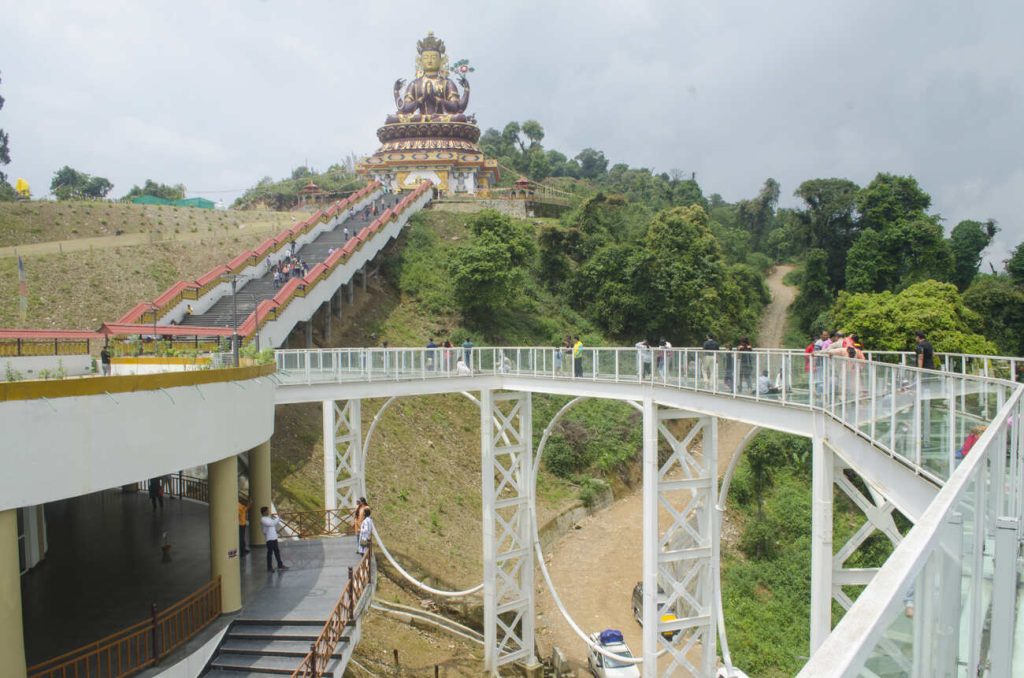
x,y
431,61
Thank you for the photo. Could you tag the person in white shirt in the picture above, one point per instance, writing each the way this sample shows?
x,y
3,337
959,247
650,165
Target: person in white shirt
x,y
462,369
643,357
764,385
365,532
269,522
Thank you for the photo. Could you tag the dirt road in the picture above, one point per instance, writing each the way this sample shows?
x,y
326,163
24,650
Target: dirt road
x,y
595,567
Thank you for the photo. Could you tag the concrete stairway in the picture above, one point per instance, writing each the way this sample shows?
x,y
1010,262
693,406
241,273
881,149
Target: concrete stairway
x,y
250,293
268,648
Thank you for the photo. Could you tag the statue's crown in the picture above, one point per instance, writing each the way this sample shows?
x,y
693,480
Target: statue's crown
x,y
430,44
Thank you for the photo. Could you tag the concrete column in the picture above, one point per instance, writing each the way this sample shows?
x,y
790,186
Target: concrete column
x,y
309,332
327,320
351,291
364,277
259,490
223,479
341,301
12,635
822,472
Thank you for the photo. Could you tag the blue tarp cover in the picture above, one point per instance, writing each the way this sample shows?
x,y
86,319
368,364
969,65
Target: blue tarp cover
x,y
610,636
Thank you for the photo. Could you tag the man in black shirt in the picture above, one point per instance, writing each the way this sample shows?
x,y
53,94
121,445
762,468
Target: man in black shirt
x,y
925,352
708,362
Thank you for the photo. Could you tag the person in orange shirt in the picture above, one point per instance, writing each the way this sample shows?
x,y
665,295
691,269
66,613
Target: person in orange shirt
x,y
243,523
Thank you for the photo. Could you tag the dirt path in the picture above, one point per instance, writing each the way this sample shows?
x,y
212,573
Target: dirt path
x,y
595,567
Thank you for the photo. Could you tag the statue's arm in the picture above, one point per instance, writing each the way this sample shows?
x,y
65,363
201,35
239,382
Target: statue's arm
x,y
453,102
408,103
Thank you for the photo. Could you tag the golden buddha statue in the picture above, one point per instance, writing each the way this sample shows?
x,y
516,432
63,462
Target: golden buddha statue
x,y
431,97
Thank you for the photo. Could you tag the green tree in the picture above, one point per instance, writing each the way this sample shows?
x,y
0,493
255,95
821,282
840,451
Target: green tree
x,y
1015,265
302,172
6,192
828,222
906,252
533,131
70,184
890,199
967,241
488,274
165,191
815,296
757,216
1000,304
593,164
887,322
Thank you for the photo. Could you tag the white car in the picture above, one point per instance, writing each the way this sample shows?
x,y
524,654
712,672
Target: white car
x,y
610,640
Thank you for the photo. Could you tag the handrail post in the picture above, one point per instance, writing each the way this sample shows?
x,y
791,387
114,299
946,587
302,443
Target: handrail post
x,y
154,626
351,595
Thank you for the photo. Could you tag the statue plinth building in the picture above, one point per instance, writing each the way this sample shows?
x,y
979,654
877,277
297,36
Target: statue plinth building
x,y
430,136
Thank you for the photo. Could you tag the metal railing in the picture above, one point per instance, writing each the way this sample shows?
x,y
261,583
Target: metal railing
x,y
919,417
321,523
322,651
140,645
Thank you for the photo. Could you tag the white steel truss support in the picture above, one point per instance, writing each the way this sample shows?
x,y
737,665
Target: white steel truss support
x,y
680,545
506,442
878,512
344,468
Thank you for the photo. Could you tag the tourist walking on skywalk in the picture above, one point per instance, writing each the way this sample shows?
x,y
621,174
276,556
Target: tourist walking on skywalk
x,y
365,533
243,525
156,492
643,358
707,361
467,352
269,522
577,357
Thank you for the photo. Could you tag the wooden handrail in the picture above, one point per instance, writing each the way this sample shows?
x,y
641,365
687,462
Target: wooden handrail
x,y
315,663
140,645
328,522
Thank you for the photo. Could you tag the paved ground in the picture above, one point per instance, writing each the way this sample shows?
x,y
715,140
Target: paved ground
x,y
595,567
104,569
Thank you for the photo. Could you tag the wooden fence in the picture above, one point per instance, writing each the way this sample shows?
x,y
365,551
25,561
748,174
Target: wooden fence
x,y
140,645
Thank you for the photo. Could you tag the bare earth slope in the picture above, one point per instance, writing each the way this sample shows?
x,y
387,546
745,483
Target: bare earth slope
x,y
595,567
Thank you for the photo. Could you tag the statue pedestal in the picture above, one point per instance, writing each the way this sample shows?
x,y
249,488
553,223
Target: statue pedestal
x,y
444,152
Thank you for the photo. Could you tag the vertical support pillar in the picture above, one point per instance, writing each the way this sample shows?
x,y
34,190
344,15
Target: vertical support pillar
x,y
487,507
509,603
650,538
309,333
259,490
330,453
344,477
12,634
821,540
327,321
223,479
351,290
363,276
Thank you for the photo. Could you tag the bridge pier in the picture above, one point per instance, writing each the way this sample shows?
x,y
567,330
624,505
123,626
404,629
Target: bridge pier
x,y
680,562
12,633
822,478
506,448
309,333
325,310
344,467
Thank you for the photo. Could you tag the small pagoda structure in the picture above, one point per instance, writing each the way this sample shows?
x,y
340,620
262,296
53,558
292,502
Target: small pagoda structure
x,y
430,136
310,194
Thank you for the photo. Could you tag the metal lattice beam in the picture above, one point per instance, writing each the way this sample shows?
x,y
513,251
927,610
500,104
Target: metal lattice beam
x,y
344,467
506,461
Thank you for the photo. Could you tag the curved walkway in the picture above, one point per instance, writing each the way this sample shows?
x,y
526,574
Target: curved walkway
x,y
910,421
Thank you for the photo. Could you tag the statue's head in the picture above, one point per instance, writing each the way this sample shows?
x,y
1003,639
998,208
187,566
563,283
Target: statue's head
x,y
431,54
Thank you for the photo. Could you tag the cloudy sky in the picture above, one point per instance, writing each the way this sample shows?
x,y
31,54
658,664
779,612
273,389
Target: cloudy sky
x,y
216,95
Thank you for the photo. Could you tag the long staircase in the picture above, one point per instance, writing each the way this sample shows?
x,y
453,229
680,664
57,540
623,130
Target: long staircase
x,y
268,648
225,313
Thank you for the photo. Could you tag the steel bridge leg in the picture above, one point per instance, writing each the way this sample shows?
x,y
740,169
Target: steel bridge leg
x,y
680,562
506,441
344,470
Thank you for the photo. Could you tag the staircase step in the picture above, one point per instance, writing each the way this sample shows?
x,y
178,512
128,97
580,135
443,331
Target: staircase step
x,y
256,664
271,647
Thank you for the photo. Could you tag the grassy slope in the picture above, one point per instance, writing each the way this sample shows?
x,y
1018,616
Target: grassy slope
x,y
423,465
80,290
23,223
